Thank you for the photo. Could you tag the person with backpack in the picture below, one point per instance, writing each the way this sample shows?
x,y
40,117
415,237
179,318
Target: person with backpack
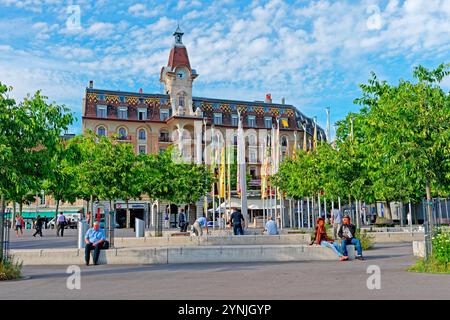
x,y
182,223
237,222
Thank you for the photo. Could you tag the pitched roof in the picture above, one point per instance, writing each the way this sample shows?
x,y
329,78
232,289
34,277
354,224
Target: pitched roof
x,y
178,57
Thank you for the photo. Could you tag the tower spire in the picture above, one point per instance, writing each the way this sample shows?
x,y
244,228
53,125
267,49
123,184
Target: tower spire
x,y
178,34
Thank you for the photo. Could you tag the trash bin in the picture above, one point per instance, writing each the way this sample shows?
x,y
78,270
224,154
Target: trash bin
x,y
139,225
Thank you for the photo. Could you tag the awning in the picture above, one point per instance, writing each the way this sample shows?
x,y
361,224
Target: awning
x,y
252,204
43,214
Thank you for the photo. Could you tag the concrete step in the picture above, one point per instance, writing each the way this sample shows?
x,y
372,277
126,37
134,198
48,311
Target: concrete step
x,y
293,239
165,255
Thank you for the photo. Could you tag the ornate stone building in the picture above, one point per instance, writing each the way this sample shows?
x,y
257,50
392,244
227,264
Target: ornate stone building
x,y
152,122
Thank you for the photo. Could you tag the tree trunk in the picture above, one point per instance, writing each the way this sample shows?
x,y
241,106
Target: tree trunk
x,y
2,224
128,214
387,210
56,209
13,216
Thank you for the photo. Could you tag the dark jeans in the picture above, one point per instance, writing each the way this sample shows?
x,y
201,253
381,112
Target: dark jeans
x,y
237,229
38,231
87,252
60,229
183,226
353,241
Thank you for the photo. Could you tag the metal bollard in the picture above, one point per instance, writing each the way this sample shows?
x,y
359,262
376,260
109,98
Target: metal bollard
x,y
82,229
139,226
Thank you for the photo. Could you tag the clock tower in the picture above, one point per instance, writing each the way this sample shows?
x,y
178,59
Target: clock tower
x,y
178,77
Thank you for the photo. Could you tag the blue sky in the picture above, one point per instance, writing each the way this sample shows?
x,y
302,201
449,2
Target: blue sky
x,y
313,53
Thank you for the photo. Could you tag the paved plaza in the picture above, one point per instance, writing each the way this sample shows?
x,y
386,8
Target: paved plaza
x,y
296,280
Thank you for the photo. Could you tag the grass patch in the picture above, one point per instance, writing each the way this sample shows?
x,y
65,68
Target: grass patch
x,y
10,270
430,266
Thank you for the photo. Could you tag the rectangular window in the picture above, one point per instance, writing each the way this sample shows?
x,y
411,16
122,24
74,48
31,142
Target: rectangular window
x,y
101,111
251,121
253,157
122,113
217,118
101,97
142,114
122,99
268,122
142,149
163,114
234,120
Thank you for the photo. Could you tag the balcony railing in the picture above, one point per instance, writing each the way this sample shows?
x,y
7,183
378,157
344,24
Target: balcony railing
x,y
124,138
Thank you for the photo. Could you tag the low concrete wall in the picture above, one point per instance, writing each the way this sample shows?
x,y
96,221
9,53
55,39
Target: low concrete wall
x,y
419,249
382,237
164,255
295,239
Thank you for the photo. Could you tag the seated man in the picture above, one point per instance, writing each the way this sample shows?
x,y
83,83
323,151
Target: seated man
x,y
94,238
271,227
347,233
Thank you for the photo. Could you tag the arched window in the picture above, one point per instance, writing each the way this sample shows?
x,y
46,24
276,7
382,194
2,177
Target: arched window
x,y
284,141
235,140
251,140
122,132
142,134
101,131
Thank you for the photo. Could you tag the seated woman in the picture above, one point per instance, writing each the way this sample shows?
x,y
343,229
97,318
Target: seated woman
x,y
321,238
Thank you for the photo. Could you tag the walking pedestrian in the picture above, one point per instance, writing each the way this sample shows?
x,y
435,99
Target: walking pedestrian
x,y
61,224
38,226
166,220
182,221
19,225
336,221
237,222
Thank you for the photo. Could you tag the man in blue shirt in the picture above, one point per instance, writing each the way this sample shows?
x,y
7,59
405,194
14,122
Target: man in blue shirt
x,y
199,224
271,227
94,238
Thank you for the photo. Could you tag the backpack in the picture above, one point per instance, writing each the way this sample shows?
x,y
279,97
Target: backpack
x,y
236,218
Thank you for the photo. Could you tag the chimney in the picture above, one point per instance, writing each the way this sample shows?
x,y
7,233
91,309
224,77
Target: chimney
x,y
283,100
140,90
268,98
91,84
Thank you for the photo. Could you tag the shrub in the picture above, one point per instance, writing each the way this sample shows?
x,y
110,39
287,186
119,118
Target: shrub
x,y
441,247
367,240
439,262
10,270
